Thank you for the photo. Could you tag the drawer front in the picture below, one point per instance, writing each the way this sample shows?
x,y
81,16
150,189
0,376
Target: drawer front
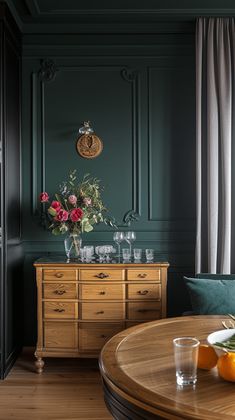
x,y
144,291
144,274
60,291
144,310
103,310
57,274
60,335
102,291
93,336
61,310
102,274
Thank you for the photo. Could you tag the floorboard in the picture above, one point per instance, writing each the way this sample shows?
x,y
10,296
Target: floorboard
x,y
68,389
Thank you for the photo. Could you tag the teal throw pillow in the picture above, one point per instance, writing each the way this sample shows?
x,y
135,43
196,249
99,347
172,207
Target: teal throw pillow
x,y
211,297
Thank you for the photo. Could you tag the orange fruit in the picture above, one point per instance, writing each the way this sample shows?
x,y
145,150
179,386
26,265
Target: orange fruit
x,y
226,366
207,357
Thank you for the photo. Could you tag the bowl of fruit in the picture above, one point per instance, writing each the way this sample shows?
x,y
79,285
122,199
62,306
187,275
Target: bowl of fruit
x,y
223,341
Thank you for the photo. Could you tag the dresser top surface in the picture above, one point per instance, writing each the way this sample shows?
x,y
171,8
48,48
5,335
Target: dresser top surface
x,y
60,260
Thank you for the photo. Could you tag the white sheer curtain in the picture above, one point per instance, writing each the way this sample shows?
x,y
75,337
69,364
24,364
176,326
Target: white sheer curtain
x,y
215,78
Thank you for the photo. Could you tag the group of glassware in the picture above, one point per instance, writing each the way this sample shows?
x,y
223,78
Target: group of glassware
x,y
87,253
130,237
106,253
103,252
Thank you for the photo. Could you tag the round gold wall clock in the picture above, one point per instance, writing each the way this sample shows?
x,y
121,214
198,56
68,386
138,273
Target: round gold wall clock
x,y
89,145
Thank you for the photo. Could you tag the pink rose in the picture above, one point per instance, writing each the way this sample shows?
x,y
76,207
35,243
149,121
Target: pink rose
x,y
56,206
76,215
43,197
72,199
87,201
62,216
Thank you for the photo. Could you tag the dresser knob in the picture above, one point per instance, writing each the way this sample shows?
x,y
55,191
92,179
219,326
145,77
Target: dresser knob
x,y
99,312
142,275
59,310
101,276
102,293
59,275
142,292
60,292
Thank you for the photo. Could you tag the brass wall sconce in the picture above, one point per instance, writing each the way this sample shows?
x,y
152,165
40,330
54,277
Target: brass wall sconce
x,y
88,145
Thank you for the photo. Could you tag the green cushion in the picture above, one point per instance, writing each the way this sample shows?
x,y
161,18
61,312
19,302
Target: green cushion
x,y
211,297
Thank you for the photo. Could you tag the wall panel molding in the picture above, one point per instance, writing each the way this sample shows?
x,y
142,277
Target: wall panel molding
x,y
39,82
132,76
172,65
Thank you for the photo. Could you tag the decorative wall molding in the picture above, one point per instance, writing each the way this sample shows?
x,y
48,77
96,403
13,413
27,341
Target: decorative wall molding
x,y
165,64
47,71
50,10
34,140
46,74
129,217
38,147
131,76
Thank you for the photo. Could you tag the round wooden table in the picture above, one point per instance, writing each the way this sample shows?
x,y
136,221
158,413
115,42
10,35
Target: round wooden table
x,y
138,371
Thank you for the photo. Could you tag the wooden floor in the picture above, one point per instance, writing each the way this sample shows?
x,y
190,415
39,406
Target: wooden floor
x,y
68,389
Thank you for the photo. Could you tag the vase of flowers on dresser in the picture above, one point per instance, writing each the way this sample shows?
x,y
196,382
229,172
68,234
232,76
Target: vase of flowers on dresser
x,y
75,209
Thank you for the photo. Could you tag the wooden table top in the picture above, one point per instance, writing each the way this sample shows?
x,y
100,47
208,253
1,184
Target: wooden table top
x,y
138,365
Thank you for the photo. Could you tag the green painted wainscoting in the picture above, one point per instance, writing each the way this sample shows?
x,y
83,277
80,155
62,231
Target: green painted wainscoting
x,y
138,91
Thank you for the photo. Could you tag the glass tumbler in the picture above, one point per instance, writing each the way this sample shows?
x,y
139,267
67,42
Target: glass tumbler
x,y
126,254
87,253
149,254
186,357
137,253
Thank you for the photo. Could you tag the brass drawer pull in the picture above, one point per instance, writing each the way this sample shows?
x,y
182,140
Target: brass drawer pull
x,y
142,275
59,292
102,293
101,276
142,292
59,275
59,310
99,312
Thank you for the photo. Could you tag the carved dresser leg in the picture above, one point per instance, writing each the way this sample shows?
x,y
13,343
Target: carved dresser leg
x,y
39,364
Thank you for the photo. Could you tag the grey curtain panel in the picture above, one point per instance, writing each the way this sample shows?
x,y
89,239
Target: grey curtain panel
x,y
215,77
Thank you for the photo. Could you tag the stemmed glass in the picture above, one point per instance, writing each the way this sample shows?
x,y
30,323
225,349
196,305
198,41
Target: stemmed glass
x,y
118,237
129,238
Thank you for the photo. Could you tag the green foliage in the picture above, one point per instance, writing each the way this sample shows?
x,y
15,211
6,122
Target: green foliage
x,y
78,206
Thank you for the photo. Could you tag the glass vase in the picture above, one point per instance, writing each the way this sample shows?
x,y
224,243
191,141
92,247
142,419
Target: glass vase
x,y
72,245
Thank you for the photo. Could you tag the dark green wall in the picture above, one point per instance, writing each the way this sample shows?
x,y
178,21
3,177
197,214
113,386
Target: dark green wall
x,y
139,93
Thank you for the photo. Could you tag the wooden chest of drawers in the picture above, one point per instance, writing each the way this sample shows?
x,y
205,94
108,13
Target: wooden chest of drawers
x,y
81,306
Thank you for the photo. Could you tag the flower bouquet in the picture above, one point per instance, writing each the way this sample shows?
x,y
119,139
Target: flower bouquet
x,y
77,207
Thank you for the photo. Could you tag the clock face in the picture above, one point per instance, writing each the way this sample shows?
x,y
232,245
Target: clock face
x,y
89,146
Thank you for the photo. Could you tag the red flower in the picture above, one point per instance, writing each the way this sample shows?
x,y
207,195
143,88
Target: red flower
x,y
43,197
76,215
62,216
56,206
